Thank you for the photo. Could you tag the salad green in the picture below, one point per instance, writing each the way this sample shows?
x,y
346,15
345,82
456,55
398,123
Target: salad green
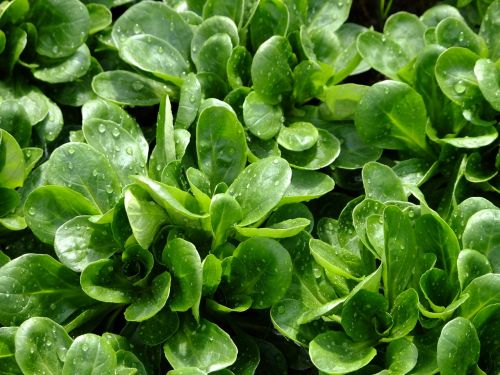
x,y
195,187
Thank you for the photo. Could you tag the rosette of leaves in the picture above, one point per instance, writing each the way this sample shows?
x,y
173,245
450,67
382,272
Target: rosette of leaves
x,y
192,233
269,60
441,101
396,289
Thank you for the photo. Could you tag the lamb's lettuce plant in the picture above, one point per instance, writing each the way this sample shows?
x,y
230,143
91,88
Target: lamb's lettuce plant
x,y
248,187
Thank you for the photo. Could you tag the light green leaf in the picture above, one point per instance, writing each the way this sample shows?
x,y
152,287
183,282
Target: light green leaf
x,y
204,345
62,26
49,207
458,347
335,352
74,67
40,343
260,187
90,354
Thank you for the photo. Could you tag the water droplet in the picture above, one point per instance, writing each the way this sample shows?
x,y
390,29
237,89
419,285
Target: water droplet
x,y
95,172
71,150
55,49
32,211
137,29
128,150
109,189
115,132
85,347
137,85
70,165
459,87
101,128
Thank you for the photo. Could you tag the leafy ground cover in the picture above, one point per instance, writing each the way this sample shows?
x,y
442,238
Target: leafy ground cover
x,y
249,187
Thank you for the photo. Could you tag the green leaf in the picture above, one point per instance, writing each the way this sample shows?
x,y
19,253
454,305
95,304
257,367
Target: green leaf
x,y
90,354
489,30
150,300
214,55
260,187
164,151
7,351
271,72
483,291
183,260
156,56
354,152
453,32
306,185
15,121
488,78
24,293
262,269
364,316
329,15
285,317
220,144
40,343
382,53
299,136
335,352
144,215
481,234
400,252
31,98
123,150
407,30
62,26
337,260
79,242
286,228
436,14
159,328
458,347
392,115
74,67
322,154
104,281
225,212
12,165
270,18
80,167
238,67
189,102
100,17
455,75
212,274
227,8
435,236
470,265
179,205
124,87
204,345
404,314
381,183
248,355
52,124
157,19
262,119
212,26
401,356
